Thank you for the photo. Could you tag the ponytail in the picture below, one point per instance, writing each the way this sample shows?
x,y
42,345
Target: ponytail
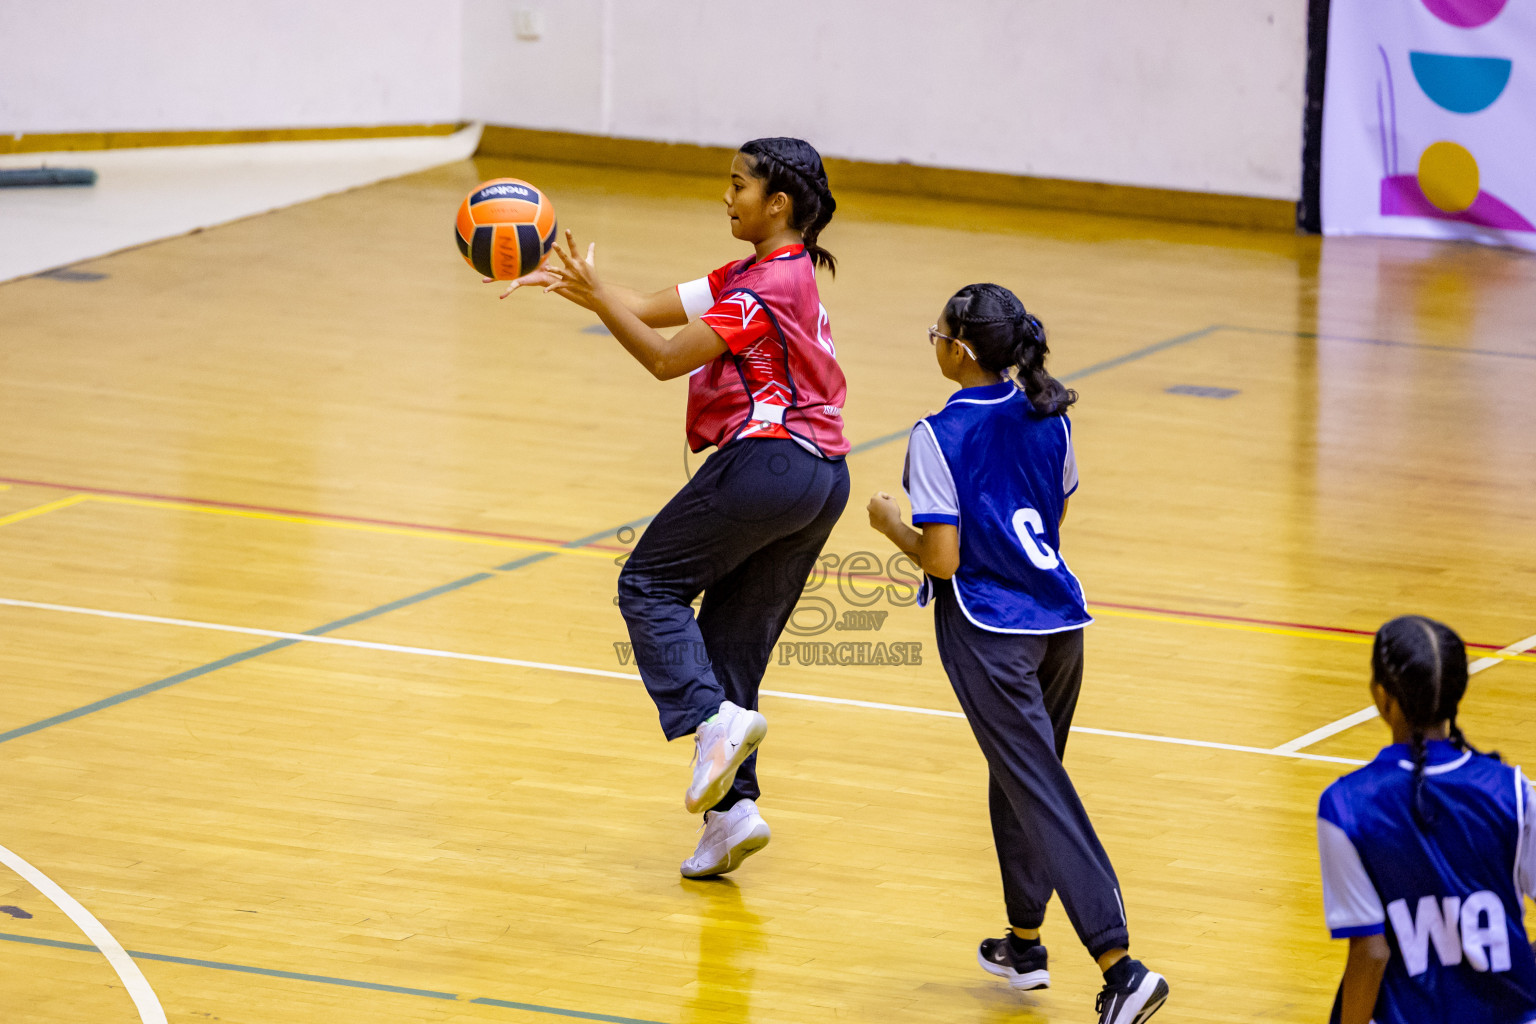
x,y
793,167
1422,664
1420,757
1047,394
1009,340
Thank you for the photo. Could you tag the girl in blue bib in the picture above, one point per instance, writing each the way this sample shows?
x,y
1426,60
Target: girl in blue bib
x,y
1428,852
989,477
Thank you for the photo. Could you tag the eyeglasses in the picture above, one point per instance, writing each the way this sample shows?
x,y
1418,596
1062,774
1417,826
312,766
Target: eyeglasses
x,y
934,336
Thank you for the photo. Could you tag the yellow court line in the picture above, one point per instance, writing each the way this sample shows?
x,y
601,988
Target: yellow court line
x,y
401,531
1305,634
42,510
407,531
1245,627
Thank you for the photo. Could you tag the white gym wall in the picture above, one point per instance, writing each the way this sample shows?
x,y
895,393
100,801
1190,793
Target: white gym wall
x,y
164,65
1203,95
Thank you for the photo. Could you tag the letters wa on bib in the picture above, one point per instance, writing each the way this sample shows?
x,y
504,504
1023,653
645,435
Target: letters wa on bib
x,y
1447,893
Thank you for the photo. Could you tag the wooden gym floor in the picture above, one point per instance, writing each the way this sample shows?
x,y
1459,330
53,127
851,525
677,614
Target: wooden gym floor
x,y
307,649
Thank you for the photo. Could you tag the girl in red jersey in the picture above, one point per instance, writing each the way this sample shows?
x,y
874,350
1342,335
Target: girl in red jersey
x,y
765,389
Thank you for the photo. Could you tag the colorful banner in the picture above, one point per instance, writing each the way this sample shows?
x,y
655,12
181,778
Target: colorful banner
x,y
1429,120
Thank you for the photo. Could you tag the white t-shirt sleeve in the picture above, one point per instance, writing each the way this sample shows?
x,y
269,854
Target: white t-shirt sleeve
x,y
1525,849
1069,464
928,481
1350,902
697,297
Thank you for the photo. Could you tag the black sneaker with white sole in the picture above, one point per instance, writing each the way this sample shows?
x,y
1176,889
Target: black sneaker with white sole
x,y
1024,970
1131,993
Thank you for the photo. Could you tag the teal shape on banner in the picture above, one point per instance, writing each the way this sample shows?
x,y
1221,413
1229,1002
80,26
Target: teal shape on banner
x,y
1462,85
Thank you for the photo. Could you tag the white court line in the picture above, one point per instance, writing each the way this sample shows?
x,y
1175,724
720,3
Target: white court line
x,y
310,638
872,704
1273,752
430,652
1332,728
1076,728
1366,714
1518,647
138,988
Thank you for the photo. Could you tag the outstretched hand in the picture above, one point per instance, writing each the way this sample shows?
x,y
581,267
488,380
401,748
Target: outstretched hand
x,y
574,279
540,275
545,275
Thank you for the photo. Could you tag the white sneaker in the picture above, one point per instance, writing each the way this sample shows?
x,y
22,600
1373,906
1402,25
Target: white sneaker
x,y
719,749
730,837
1134,995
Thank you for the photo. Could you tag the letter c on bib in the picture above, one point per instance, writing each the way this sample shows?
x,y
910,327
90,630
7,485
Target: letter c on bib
x,y
1029,526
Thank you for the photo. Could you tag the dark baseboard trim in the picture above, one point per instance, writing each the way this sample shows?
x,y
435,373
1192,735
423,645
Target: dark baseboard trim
x,y
54,142
906,179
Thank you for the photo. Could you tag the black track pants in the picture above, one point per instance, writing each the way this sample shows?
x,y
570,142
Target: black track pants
x,y
745,532
1018,692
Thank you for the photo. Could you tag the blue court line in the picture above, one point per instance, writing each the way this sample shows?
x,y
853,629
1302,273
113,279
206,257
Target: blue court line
x,y
876,442
581,1014
329,627
1142,353
322,979
863,446
1384,342
1087,371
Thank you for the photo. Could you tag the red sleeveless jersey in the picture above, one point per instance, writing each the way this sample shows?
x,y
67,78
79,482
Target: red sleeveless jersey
x,y
779,375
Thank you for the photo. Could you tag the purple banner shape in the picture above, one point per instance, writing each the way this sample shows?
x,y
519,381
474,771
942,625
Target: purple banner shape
x,y
1402,197
1465,13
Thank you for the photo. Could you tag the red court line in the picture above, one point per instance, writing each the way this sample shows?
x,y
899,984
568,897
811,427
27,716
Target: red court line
x,y
1213,616
1266,622
241,506
1244,618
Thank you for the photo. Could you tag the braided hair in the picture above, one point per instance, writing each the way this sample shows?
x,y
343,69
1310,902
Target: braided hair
x,y
1422,664
793,167
1007,337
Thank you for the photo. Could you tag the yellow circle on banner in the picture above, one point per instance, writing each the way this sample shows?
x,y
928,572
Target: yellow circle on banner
x,y
1448,176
